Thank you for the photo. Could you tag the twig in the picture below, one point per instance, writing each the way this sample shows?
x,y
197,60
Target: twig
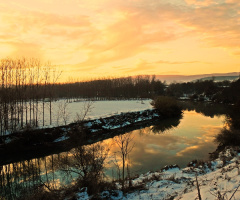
x,y
47,186
198,188
234,192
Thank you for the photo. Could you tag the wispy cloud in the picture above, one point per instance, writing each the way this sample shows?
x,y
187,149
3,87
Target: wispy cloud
x,y
97,35
144,66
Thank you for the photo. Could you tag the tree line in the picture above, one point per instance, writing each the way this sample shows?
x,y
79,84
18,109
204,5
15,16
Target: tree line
x,y
207,87
112,88
148,87
220,92
26,90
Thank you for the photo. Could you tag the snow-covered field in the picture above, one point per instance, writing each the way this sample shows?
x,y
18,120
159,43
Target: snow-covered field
x,y
218,179
67,112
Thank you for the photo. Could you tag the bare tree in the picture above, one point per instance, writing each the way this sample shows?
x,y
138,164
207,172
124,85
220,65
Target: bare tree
x,y
54,77
125,144
87,108
88,163
63,112
20,91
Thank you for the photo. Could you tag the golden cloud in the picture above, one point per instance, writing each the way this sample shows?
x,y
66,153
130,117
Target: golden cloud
x,y
96,35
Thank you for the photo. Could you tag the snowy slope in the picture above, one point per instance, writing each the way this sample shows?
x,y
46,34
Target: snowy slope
x,y
217,179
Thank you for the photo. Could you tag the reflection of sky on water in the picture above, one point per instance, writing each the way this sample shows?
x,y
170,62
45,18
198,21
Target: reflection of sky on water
x,y
192,139
154,147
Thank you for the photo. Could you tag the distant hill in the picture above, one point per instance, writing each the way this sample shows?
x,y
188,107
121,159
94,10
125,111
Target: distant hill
x,y
189,78
219,78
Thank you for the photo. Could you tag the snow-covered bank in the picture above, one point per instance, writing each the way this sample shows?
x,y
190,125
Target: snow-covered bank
x,y
16,146
217,179
64,112
121,120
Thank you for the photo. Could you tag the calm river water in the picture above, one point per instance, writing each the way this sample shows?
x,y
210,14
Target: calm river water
x,y
153,148
173,141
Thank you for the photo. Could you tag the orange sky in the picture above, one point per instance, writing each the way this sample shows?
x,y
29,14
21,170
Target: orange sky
x,y
97,38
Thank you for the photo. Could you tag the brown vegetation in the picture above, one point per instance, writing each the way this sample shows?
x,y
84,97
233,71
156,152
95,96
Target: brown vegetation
x,y
166,106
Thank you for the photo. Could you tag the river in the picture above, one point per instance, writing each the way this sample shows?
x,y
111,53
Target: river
x,y
171,141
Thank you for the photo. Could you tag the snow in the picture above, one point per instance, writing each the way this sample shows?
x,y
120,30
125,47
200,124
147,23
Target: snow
x,y
61,138
121,120
99,109
184,98
8,140
83,195
223,180
109,108
75,111
89,124
220,179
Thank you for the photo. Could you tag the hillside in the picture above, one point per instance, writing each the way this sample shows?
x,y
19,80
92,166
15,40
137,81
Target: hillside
x,y
188,78
219,78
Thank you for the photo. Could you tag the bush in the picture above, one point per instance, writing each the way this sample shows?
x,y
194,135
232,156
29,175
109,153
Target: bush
x,y
228,137
167,106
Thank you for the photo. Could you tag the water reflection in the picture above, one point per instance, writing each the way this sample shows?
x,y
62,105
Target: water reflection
x,y
173,141
206,108
20,178
165,125
82,166
230,133
85,164
191,139
125,144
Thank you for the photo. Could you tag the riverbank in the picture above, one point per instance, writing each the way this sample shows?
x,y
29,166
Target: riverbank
x,y
41,142
210,180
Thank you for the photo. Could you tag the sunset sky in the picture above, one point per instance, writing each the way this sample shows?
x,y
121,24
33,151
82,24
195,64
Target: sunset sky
x,y
101,38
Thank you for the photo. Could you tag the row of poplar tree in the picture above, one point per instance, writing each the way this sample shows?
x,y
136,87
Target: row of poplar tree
x,y
28,87
26,91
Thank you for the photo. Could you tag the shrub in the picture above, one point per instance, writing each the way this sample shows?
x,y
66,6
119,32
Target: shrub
x,y
167,106
228,137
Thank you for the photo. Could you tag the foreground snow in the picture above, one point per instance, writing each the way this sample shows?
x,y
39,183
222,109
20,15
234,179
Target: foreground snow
x,y
218,179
